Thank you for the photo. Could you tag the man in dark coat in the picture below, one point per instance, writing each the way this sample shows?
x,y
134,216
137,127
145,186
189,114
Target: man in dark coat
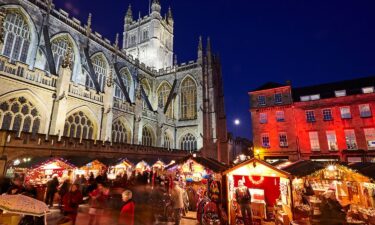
x,y
52,186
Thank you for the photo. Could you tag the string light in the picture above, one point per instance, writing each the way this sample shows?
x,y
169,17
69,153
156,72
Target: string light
x,y
256,182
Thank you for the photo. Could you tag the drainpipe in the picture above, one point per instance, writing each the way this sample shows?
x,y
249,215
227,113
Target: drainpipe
x,y
50,120
101,124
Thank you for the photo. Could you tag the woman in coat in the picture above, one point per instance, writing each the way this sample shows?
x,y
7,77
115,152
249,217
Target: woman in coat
x,y
71,201
127,211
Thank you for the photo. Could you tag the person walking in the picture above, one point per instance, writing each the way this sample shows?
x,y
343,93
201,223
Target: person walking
x,y
177,202
98,202
127,210
71,202
63,189
51,190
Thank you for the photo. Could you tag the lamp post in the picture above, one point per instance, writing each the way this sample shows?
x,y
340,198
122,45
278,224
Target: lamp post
x,y
237,123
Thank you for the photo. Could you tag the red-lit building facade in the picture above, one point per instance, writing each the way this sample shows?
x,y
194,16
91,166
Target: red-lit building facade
x,y
334,121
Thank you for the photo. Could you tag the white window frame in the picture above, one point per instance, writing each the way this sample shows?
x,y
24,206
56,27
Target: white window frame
x,y
367,113
350,139
347,114
263,118
314,140
332,140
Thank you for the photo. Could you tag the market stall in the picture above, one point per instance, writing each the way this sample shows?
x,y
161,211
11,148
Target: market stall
x,y
40,173
141,167
314,181
95,167
202,178
269,189
124,166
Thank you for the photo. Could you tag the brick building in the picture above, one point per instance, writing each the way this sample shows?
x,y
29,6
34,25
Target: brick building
x,y
333,121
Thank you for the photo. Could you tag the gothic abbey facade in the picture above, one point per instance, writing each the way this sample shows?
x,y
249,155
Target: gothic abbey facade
x,y
58,77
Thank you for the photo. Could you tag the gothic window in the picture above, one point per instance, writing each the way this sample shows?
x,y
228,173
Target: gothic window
x,y
167,141
145,34
146,137
18,114
188,99
17,37
60,47
77,125
163,94
119,133
100,68
189,142
127,80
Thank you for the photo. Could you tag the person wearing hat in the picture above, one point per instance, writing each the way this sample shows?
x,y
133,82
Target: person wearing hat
x,y
243,198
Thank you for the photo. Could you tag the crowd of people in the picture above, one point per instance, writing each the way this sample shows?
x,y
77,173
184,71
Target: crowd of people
x,y
105,198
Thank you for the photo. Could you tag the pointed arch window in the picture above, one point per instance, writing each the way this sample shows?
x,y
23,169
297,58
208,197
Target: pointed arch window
x,y
163,94
189,142
16,37
167,141
19,114
59,47
188,99
127,80
100,68
147,139
78,125
119,133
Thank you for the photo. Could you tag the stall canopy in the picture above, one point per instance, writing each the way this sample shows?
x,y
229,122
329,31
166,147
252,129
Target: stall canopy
x,y
209,163
301,168
367,169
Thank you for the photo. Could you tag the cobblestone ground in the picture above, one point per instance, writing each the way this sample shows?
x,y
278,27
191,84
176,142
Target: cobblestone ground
x,y
144,214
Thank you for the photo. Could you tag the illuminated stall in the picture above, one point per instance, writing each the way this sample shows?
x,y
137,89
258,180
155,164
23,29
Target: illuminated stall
x,y
95,167
197,173
41,173
348,184
269,188
142,166
124,166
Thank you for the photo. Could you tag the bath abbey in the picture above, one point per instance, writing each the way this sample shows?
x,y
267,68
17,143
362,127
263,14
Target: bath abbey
x,y
62,83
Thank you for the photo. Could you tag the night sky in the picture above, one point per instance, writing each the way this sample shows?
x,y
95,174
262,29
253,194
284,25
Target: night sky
x,y
307,42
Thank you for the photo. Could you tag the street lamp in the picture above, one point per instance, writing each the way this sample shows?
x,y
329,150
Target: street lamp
x,y
237,122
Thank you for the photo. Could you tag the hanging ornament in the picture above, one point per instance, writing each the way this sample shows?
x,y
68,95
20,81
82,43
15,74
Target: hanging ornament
x,y
256,182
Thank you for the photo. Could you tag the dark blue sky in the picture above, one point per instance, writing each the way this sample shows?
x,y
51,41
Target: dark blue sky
x,y
307,42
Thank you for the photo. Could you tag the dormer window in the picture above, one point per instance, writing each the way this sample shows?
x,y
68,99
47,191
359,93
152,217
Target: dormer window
x,y
340,93
278,98
315,97
305,98
367,90
262,100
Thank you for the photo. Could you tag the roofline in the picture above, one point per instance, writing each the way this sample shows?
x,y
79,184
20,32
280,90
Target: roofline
x,y
253,91
259,161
